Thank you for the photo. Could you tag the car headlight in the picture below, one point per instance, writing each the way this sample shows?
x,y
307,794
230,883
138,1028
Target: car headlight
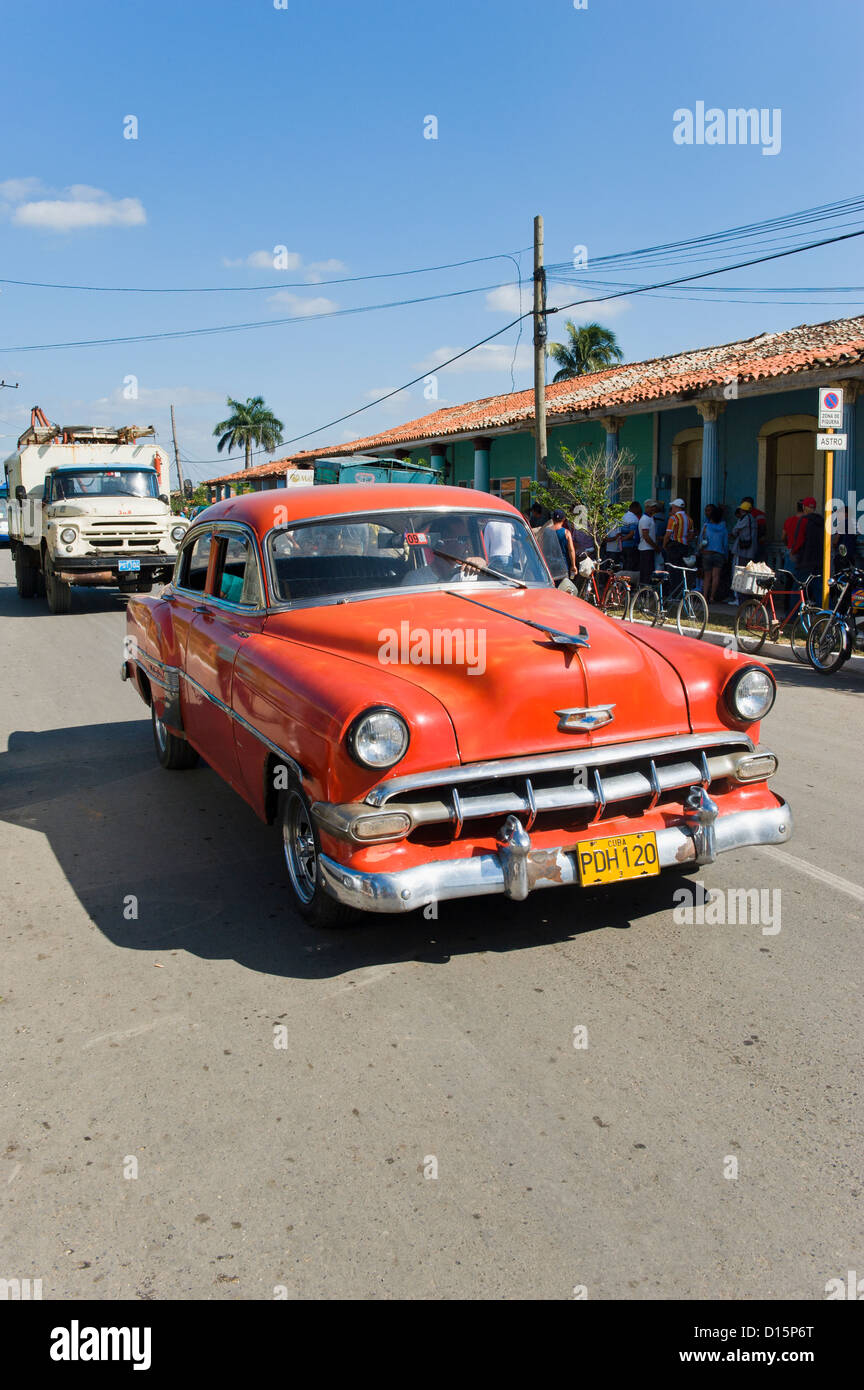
x,y
177,534
68,535
750,694
378,738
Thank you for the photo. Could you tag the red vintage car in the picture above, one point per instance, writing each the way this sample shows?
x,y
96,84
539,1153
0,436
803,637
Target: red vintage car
x,y
390,674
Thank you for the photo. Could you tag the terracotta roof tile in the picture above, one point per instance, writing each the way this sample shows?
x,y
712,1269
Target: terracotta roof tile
x,y
834,343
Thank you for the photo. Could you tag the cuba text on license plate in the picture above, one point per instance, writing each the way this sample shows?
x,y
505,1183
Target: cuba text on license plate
x,y
620,856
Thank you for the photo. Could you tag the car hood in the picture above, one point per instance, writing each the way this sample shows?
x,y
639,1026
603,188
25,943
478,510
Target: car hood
x,y
502,682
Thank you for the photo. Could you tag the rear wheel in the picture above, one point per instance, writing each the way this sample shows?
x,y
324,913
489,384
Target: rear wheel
x,y
646,605
57,592
616,601
26,573
751,626
175,754
692,613
799,634
826,644
302,848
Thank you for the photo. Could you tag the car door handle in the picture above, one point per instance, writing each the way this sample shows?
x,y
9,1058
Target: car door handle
x,y
201,608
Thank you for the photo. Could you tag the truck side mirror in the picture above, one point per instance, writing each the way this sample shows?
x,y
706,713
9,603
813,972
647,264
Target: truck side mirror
x,y
187,487
163,498
20,493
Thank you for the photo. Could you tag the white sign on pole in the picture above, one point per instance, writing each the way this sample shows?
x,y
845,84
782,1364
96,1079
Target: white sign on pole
x,y
830,408
828,443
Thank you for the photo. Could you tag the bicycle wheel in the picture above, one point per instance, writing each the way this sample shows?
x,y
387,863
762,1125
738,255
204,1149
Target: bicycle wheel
x,y
646,606
826,644
616,601
692,613
801,631
751,626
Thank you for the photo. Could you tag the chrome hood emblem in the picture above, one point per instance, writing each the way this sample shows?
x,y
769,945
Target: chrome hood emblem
x,y
574,721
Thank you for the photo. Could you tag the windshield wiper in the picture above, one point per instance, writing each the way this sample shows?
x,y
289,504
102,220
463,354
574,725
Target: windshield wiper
x,y
560,639
481,569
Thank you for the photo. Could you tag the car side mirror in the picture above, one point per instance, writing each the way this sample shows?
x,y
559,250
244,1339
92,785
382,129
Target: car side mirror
x,y
20,493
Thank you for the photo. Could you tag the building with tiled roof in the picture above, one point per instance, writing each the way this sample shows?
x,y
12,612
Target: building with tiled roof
x,y
712,424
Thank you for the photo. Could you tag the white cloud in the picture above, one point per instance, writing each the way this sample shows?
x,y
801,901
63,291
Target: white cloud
x,y
318,269
492,357
16,190
296,304
80,207
509,299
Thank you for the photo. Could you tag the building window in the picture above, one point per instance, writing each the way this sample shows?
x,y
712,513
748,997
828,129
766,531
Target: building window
x,y
504,487
525,486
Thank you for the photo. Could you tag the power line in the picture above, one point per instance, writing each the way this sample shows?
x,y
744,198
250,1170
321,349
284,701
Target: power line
x,y
774,255
253,289
244,327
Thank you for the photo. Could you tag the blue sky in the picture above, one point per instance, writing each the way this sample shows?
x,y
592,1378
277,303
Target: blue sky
x,y
303,127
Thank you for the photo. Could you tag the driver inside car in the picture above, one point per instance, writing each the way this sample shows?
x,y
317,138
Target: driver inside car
x,y
448,536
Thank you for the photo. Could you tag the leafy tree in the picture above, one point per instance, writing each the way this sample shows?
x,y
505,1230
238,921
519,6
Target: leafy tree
x,y
583,486
252,423
589,349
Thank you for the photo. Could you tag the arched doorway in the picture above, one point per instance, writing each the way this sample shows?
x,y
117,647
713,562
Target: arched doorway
x,y
687,471
789,468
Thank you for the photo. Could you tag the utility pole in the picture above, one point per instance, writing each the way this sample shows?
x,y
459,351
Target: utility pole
x,y
177,455
540,459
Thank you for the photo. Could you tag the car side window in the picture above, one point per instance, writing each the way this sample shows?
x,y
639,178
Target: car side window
x,y
238,578
194,562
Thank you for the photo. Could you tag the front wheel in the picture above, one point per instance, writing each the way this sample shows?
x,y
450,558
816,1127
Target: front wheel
x,y
175,754
57,592
827,644
751,626
646,605
692,613
616,600
302,848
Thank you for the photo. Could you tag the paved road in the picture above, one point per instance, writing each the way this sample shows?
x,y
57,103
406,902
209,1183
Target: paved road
x,y
302,1167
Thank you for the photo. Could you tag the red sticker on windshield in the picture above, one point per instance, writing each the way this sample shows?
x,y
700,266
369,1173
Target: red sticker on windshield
x,y
416,538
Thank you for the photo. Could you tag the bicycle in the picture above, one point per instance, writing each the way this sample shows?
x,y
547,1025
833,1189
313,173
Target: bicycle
x,y
755,624
835,634
691,609
614,600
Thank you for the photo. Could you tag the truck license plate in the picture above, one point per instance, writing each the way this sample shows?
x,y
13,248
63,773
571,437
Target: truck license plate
x,y
620,856
133,565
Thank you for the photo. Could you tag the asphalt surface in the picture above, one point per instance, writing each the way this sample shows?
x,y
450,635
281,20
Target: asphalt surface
x,y
302,1168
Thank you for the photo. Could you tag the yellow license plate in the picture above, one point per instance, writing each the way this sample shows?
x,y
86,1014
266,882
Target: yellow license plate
x,y
620,856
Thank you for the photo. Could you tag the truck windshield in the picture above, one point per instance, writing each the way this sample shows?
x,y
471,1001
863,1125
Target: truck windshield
x,y
103,482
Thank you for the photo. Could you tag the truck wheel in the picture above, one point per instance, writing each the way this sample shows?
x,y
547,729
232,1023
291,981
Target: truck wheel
x,y
175,754
26,574
58,593
301,848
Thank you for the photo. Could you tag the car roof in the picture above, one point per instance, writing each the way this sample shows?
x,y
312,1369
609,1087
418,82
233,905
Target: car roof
x,y
283,505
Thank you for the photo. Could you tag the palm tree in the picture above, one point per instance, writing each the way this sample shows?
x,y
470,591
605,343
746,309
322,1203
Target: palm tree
x,y
249,424
590,348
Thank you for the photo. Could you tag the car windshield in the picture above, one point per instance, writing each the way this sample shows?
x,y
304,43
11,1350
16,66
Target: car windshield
x,y
398,550
104,482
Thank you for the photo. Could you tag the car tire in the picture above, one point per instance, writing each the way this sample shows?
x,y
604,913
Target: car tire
x,y
174,754
26,574
301,849
58,593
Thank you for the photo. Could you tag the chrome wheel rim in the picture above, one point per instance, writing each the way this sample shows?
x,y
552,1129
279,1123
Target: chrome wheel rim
x,y
301,856
161,732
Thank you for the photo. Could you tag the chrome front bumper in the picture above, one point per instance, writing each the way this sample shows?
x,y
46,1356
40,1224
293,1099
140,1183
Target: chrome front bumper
x,y
517,868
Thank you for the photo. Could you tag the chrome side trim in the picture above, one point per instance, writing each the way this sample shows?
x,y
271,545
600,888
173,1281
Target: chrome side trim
x,y
238,719
552,762
443,879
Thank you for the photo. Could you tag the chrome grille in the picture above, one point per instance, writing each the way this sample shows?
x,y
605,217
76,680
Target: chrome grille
x,y
589,784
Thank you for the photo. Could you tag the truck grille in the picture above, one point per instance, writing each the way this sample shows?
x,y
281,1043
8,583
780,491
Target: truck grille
x,y
577,788
120,535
